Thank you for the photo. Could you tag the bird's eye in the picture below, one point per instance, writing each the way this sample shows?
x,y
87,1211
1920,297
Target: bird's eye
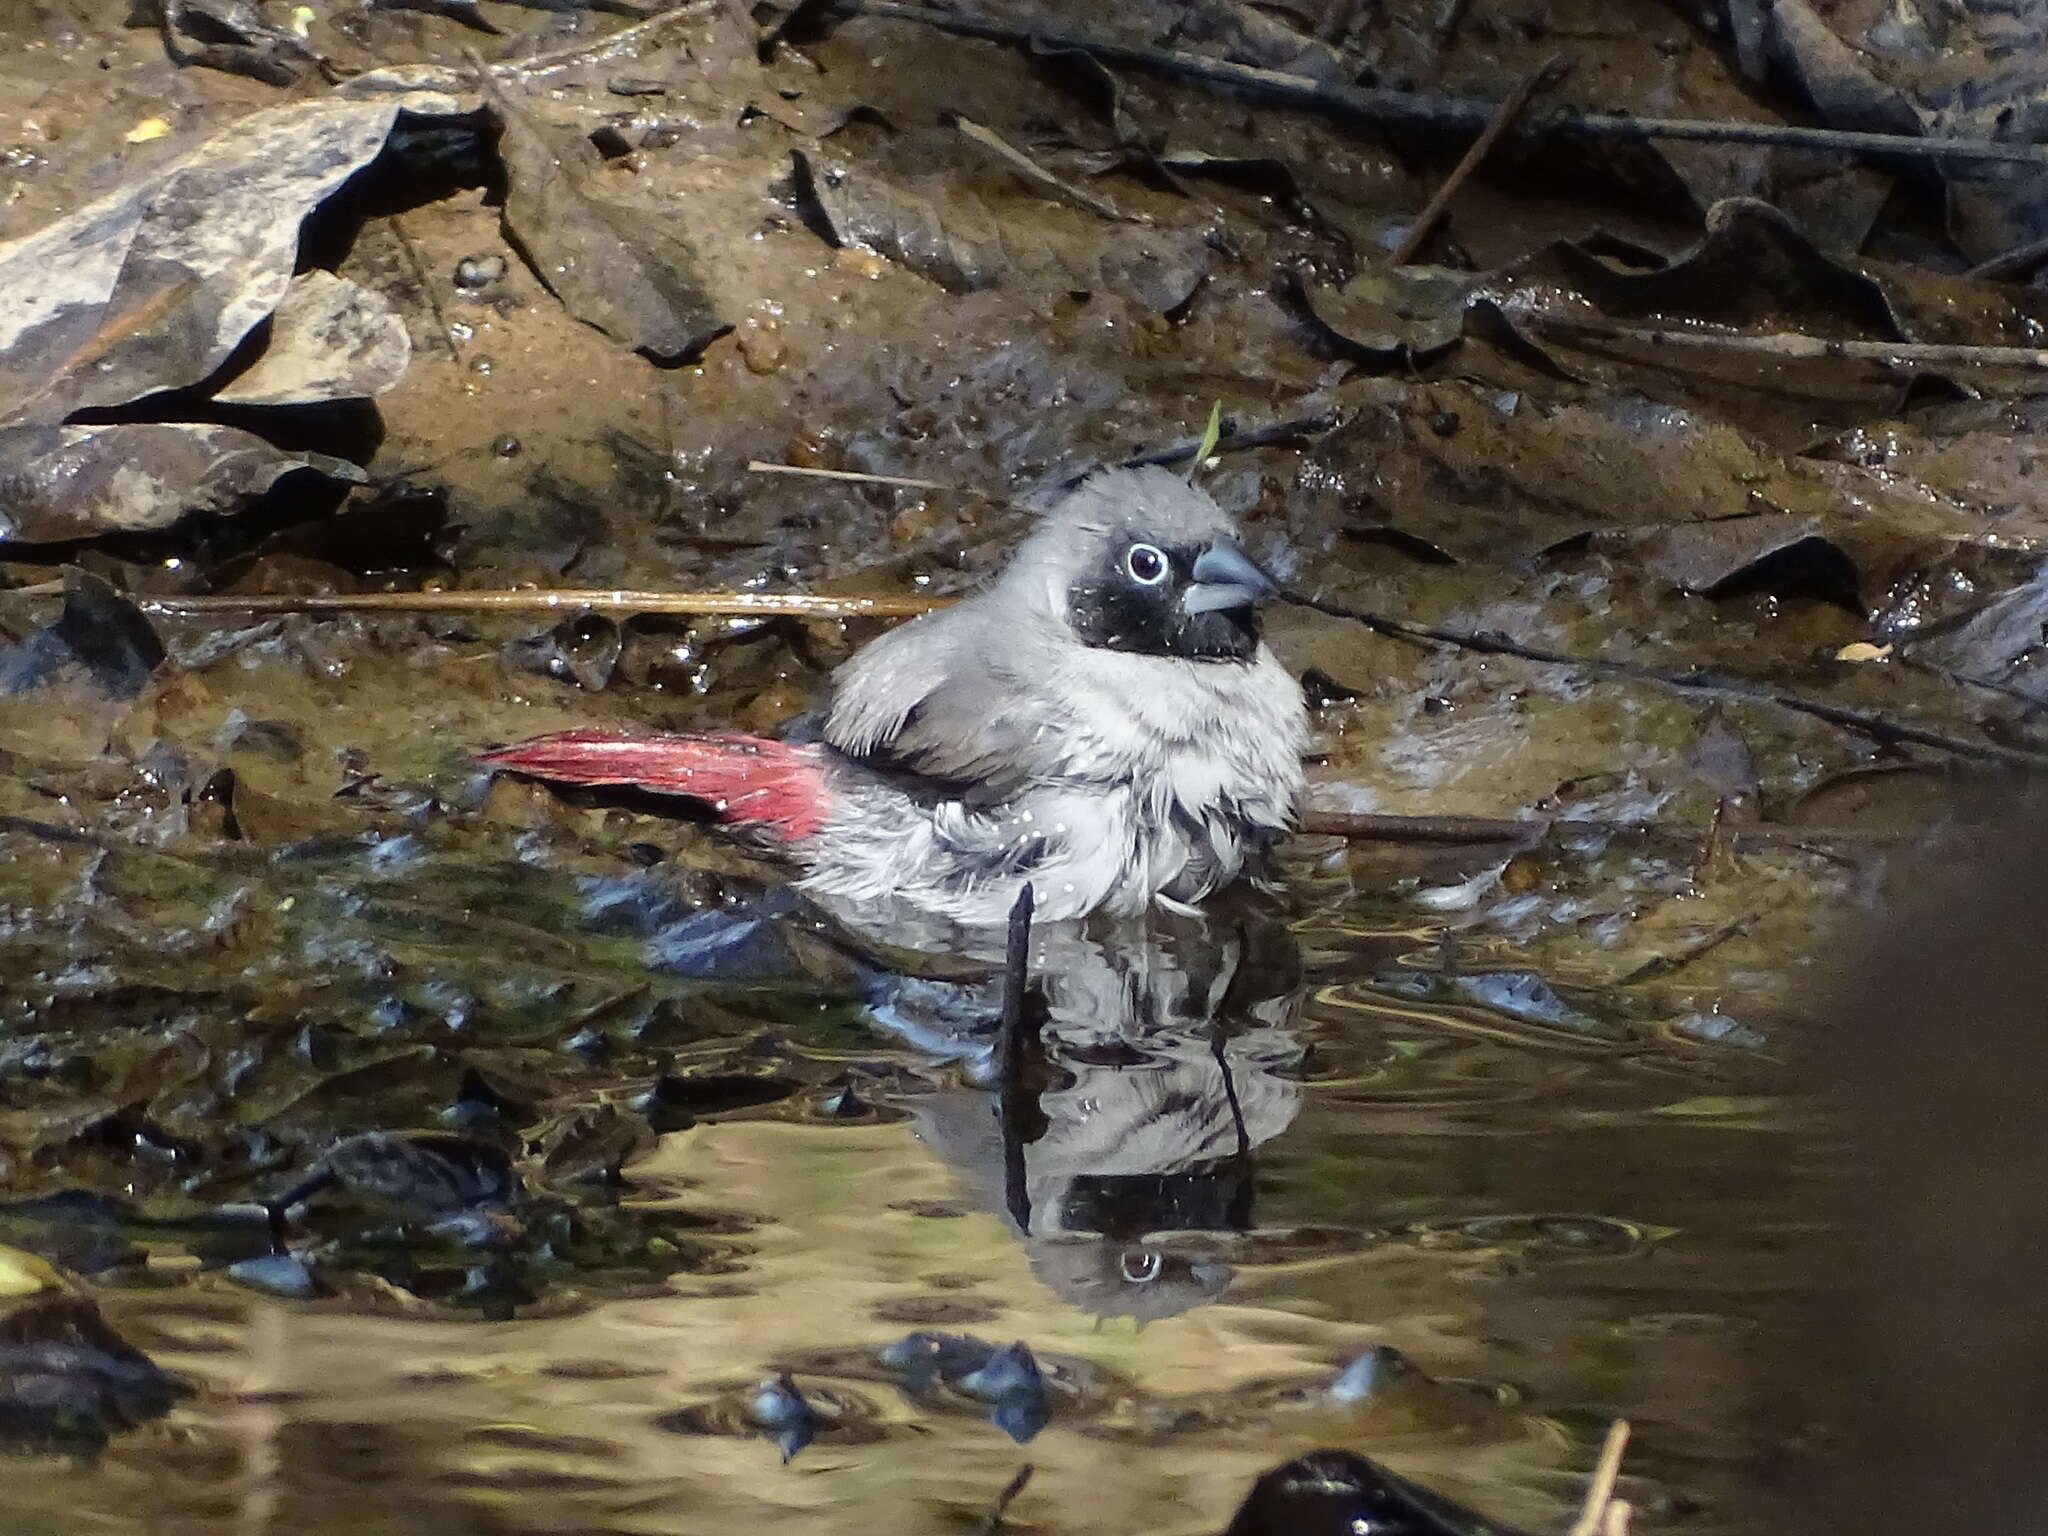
x,y
1141,1266
1146,564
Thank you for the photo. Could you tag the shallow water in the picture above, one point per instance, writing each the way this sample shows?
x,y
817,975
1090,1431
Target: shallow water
x,y
1265,1151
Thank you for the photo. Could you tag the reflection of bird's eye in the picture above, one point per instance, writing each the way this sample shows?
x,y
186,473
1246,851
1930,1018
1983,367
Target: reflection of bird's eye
x,y
1141,1265
1146,563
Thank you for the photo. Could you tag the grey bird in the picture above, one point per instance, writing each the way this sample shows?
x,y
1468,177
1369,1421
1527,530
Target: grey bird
x,y
1102,721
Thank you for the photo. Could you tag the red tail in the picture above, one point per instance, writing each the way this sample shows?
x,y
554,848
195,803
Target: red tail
x,y
746,779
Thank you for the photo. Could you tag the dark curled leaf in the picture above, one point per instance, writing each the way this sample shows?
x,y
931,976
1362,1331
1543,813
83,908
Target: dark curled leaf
x,y
583,650
99,636
614,267
80,482
232,36
1768,551
1752,268
961,227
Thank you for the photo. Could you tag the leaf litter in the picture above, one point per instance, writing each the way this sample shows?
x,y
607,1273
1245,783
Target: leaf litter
x,y
1656,437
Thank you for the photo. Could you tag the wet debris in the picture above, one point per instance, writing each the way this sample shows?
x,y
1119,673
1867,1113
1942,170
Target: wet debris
x,y
100,639
1007,1378
916,200
422,1174
480,270
64,482
786,1414
289,1275
1370,1375
330,339
633,278
69,1383
228,35
1011,1383
789,1415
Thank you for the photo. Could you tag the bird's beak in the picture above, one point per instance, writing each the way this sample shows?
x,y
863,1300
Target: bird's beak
x,y
1225,579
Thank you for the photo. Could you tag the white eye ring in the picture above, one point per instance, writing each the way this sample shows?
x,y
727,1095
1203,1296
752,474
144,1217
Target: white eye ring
x,y
1145,1270
1141,558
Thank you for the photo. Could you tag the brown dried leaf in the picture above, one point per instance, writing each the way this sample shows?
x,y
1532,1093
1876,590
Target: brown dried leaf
x,y
617,268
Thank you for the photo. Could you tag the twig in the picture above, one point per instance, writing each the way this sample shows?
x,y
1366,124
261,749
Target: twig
x,y
418,77
442,328
1881,728
1503,118
1593,1513
603,47
546,600
762,467
1422,110
1782,344
1475,831
993,1520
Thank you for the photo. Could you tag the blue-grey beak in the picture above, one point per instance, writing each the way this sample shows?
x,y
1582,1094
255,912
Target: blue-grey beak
x,y
1225,578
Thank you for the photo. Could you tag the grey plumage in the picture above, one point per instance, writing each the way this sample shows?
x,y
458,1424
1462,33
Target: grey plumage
x,y
1045,730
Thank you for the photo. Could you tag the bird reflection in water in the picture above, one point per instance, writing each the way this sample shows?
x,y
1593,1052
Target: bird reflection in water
x,y
1137,1068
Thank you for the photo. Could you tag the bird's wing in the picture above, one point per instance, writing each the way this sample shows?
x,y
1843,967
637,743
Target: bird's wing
x,y
948,697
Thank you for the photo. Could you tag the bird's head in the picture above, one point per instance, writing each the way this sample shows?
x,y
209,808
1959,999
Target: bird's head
x,y
1138,560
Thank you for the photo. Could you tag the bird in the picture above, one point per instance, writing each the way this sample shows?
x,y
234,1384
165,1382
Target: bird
x,y
1103,721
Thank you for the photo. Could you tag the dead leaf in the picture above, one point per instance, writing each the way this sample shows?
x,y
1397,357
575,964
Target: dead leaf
x,y
330,339
916,204
613,267
151,287
78,482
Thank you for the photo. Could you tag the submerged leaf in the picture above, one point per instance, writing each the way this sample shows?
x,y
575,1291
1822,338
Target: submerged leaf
x,y
99,636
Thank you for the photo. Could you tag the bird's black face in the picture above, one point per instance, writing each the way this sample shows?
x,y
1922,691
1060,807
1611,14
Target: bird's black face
x,y
1198,602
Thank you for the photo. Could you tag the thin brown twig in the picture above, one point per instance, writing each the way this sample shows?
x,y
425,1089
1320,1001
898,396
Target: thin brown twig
x,y
1423,110
1881,728
443,331
1782,344
434,77
993,1520
1503,118
763,467
625,37
1528,831
1593,1513
554,600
